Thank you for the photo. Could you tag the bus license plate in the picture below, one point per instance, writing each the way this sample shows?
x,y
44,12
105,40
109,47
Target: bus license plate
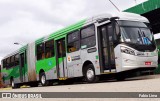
x,y
147,63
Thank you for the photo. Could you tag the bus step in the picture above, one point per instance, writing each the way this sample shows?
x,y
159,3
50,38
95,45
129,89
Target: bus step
x,y
63,78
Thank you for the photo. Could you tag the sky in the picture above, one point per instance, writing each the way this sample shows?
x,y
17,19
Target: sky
x,y
24,21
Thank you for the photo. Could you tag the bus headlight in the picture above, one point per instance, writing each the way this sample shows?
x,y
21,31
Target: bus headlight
x,y
127,51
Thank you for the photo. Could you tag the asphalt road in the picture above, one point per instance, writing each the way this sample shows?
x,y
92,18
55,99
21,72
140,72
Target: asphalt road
x,y
139,84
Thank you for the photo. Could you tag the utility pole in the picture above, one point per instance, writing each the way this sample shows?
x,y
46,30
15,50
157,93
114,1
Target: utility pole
x,y
135,2
114,5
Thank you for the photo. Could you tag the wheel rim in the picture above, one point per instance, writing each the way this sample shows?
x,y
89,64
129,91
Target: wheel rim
x,y
90,73
43,79
12,83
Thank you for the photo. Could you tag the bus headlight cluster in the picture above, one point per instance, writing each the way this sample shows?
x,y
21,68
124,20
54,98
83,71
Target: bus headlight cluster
x,y
127,51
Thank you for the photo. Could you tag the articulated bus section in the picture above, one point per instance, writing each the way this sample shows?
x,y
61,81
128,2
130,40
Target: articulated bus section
x,y
93,47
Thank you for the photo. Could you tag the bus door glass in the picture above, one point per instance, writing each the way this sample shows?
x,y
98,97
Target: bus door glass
x,y
107,48
73,53
22,67
61,58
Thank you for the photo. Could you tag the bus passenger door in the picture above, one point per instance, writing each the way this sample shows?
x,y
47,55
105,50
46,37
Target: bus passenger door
x,y
22,67
61,58
106,47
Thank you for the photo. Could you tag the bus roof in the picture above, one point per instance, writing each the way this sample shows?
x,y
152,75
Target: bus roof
x,y
120,15
16,52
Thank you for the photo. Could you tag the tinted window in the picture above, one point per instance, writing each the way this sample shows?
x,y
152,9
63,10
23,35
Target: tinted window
x,y
73,37
73,42
49,49
88,42
110,32
72,47
104,36
4,63
89,31
61,48
12,61
40,51
22,59
8,63
16,59
88,38
25,57
132,23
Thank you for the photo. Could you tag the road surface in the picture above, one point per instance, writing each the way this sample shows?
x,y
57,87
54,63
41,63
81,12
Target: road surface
x,y
139,84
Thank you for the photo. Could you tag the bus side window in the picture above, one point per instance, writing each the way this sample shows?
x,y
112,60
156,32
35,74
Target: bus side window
x,y
4,63
16,59
8,63
40,51
88,38
73,43
12,61
49,49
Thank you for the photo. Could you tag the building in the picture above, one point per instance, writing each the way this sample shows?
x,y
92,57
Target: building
x,y
151,10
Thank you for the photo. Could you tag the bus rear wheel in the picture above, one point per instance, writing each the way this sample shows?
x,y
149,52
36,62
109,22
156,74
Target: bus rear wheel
x,y
43,80
89,74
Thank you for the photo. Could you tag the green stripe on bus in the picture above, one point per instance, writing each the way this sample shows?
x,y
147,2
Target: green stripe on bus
x,y
67,30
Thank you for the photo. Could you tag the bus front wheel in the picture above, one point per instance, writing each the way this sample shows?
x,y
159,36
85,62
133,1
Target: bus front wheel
x,y
89,74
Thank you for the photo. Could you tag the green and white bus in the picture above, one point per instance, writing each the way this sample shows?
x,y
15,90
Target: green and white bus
x,y
108,43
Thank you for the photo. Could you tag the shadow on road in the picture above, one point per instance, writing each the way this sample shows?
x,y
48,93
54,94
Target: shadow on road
x,y
111,80
108,79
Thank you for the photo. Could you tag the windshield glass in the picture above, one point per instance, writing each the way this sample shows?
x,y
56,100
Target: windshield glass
x,y
139,34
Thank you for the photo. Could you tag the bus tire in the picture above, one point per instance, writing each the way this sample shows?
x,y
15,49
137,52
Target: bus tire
x,y
43,80
13,85
89,74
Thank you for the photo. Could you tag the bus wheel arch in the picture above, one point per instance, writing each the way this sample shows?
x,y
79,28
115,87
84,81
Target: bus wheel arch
x,y
85,64
40,72
88,70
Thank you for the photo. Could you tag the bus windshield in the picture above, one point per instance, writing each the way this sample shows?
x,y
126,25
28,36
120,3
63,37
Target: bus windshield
x,y
136,33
